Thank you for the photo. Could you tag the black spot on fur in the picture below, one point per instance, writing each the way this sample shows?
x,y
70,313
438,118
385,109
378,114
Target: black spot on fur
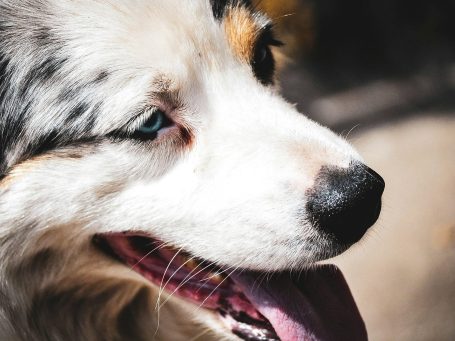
x,y
90,114
90,120
102,76
12,125
4,62
68,93
50,66
4,86
45,144
24,84
219,6
79,110
42,72
43,35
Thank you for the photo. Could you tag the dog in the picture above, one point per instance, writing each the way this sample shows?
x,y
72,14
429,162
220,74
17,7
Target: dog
x,y
154,185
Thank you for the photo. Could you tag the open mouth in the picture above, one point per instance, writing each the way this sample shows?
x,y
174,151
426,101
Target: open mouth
x,y
254,306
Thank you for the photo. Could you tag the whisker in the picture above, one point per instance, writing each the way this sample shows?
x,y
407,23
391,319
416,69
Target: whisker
x,y
211,293
283,16
352,129
160,291
215,275
185,280
175,272
163,245
167,268
258,281
205,280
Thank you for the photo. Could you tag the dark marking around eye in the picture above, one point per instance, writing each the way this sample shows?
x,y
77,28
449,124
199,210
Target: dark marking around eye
x,y
187,136
263,62
264,65
53,141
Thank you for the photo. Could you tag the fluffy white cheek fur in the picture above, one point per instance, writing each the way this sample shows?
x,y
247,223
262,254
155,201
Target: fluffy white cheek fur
x,y
238,197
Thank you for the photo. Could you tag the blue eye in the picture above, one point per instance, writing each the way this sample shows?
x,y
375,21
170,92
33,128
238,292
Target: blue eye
x,y
152,126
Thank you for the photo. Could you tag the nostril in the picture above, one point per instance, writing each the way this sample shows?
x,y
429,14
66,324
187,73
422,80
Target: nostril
x,y
344,203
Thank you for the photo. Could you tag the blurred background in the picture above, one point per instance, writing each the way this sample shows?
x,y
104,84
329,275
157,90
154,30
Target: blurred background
x,y
382,74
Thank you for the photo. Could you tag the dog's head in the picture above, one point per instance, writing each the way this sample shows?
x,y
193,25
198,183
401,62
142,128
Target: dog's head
x,y
138,120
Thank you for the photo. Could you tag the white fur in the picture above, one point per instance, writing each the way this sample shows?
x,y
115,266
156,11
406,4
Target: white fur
x,y
236,196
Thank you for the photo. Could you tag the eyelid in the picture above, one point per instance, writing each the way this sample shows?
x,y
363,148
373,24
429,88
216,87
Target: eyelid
x,y
139,119
267,37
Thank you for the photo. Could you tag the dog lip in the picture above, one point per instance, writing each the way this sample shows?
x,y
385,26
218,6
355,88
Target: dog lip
x,y
202,283
284,307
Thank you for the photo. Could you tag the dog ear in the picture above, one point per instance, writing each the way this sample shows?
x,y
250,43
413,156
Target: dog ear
x,y
95,297
118,309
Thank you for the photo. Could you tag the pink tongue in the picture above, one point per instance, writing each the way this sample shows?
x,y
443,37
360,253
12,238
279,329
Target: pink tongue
x,y
319,307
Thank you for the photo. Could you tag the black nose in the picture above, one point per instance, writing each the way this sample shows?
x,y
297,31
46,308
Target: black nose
x,y
345,202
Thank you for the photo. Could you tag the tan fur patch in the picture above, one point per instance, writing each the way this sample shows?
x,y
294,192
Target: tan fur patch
x,y
21,169
109,189
242,32
4,184
29,165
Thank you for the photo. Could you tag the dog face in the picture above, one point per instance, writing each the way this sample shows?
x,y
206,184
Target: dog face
x,y
162,118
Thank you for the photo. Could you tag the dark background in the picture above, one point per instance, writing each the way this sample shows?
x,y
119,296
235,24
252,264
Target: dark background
x,y
382,73
404,46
